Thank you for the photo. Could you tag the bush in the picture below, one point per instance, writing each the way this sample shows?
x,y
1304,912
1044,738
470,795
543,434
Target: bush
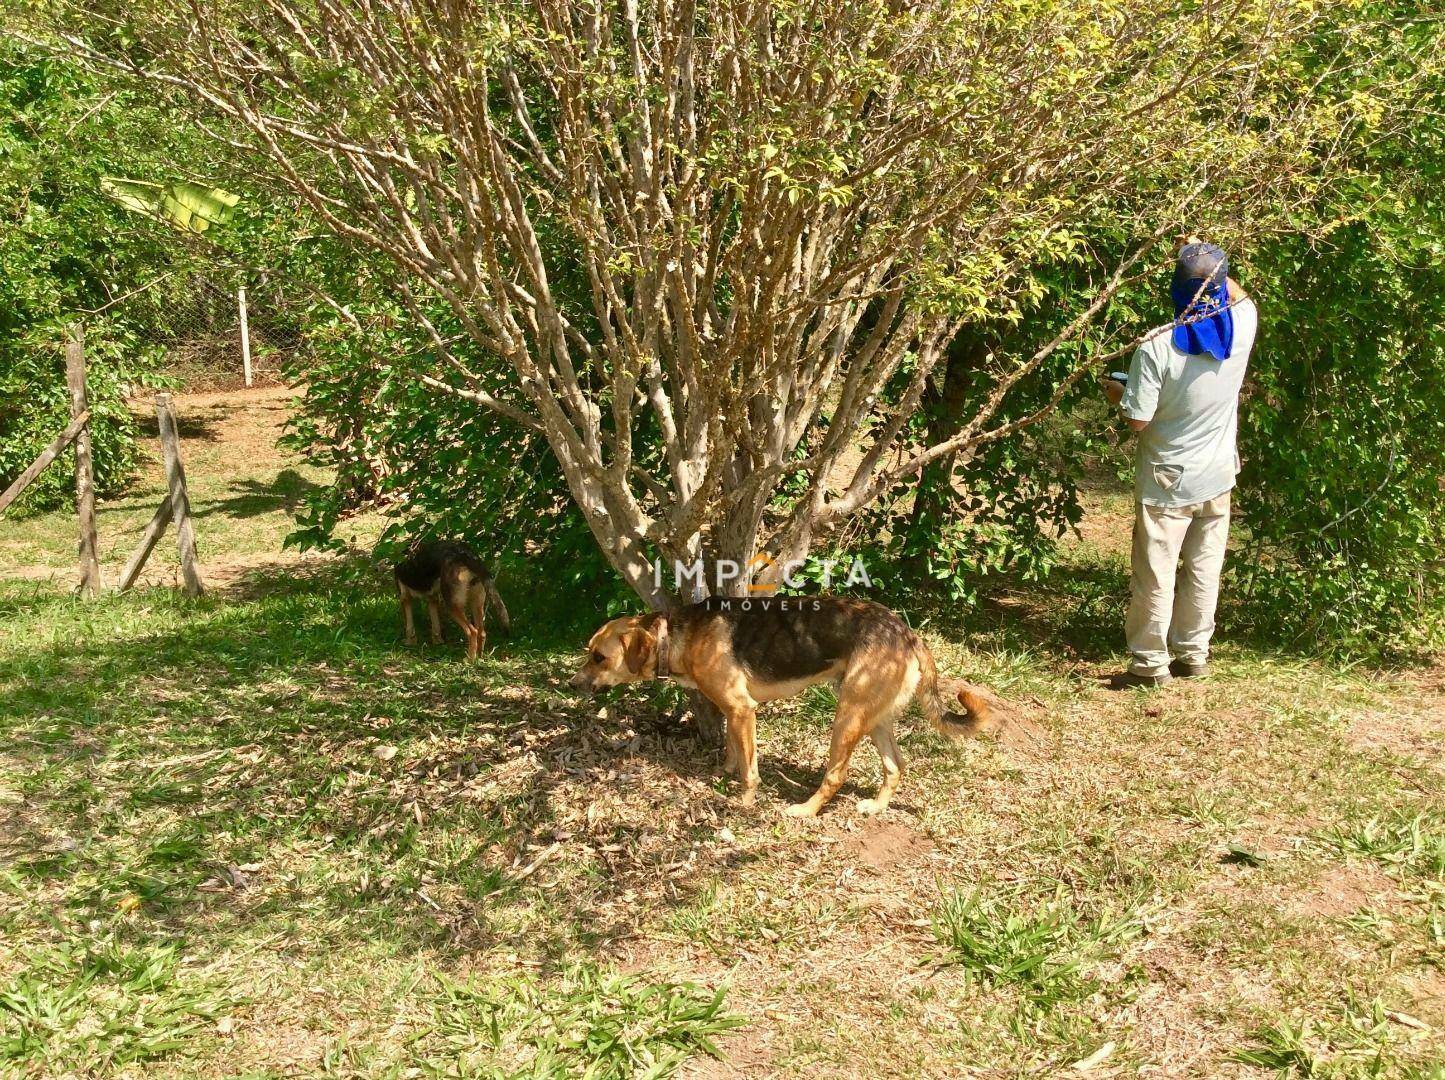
x,y
35,407
1343,430
67,252
439,465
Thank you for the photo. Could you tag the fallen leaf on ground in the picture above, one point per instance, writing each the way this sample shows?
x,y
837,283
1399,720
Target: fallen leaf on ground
x,y
1094,1060
1406,1020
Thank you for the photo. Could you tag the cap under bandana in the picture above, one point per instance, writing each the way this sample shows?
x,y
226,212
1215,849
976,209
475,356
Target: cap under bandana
x,y
1203,323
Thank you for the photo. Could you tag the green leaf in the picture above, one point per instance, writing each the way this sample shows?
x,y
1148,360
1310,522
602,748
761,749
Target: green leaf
x,y
187,206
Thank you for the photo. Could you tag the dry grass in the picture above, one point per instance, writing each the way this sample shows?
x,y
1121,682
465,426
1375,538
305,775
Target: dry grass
x,y
254,836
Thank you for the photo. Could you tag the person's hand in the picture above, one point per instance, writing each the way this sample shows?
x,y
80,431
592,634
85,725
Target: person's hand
x,y
1113,390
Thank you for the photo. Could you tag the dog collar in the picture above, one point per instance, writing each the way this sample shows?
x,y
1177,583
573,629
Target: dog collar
x,y
663,669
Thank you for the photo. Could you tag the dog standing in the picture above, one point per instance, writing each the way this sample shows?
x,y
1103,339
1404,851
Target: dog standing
x,y
448,572
741,653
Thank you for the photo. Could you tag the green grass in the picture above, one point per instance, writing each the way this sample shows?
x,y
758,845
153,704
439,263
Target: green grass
x,y
1402,840
532,881
1047,947
253,835
93,1008
605,1026
242,493
1355,1042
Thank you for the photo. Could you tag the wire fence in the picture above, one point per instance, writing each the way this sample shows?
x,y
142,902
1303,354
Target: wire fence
x,y
211,331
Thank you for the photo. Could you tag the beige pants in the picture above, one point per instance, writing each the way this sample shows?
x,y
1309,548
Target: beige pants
x,y
1165,620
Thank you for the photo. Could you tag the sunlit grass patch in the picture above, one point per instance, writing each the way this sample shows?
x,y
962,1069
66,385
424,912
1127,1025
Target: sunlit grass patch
x,y
1414,843
89,1009
586,1023
350,831
1048,948
1360,1041
727,916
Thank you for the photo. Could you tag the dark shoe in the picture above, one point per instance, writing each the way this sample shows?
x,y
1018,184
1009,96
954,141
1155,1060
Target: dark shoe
x,y
1189,669
1128,680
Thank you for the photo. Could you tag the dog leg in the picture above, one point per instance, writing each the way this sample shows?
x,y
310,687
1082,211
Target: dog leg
x,y
887,744
743,748
434,612
459,616
478,598
849,727
408,626
730,749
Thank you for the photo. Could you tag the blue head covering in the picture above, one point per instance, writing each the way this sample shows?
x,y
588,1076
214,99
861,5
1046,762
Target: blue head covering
x,y
1203,322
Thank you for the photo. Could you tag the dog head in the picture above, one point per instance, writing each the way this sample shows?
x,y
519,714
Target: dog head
x,y
623,651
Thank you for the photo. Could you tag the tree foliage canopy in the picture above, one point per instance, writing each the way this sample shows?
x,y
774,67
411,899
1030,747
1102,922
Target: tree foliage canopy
x,y
716,250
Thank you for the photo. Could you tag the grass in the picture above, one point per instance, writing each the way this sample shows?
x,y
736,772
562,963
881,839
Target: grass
x,y
242,492
1045,948
1411,842
1356,1042
101,1006
605,1026
253,835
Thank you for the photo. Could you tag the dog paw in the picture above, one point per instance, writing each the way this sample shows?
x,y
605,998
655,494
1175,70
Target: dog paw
x,y
800,809
748,797
871,806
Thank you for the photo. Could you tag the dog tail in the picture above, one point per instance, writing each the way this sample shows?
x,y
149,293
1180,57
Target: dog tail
x,y
978,716
495,599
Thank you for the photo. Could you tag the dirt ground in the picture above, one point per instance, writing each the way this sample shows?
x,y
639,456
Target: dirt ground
x,y
242,491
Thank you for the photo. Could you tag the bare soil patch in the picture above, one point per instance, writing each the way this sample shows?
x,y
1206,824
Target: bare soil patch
x,y
1409,724
1344,890
885,845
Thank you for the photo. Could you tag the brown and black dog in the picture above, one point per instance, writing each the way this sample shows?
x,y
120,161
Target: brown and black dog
x,y
449,572
741,653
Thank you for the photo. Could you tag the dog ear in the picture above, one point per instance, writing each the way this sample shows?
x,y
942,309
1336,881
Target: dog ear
x,y
639,645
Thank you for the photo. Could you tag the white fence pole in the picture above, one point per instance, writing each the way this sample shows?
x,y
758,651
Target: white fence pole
x,y
245,333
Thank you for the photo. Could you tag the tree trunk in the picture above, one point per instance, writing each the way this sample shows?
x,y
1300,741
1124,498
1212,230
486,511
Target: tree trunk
x,y
711,725
948,406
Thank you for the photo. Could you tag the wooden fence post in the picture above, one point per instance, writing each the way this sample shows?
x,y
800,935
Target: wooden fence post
x,y
245,333
180,503
84,469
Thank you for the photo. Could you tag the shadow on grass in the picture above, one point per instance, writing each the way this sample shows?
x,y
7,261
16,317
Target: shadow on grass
x,y
376,793
275,763
252,499
189,426
1076,616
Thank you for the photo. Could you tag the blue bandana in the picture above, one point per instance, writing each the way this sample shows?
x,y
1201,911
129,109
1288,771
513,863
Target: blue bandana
x,y
1203,323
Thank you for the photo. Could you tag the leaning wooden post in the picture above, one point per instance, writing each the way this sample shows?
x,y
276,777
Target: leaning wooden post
x,y
245,333
39,465
180,503
84,468
148,540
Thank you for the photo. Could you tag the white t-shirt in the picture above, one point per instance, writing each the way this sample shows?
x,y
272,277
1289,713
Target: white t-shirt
x,y
1187,453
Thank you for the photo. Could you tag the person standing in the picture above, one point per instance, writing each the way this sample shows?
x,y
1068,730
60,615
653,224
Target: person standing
x,y
1181,398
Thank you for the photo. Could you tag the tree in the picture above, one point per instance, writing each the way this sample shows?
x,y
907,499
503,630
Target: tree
x,y
718,249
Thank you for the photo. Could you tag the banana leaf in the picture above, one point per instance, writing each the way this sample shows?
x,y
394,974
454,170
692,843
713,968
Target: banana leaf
x,y
192,207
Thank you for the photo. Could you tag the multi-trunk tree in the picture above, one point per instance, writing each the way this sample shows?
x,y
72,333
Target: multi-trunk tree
x,y
718,249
